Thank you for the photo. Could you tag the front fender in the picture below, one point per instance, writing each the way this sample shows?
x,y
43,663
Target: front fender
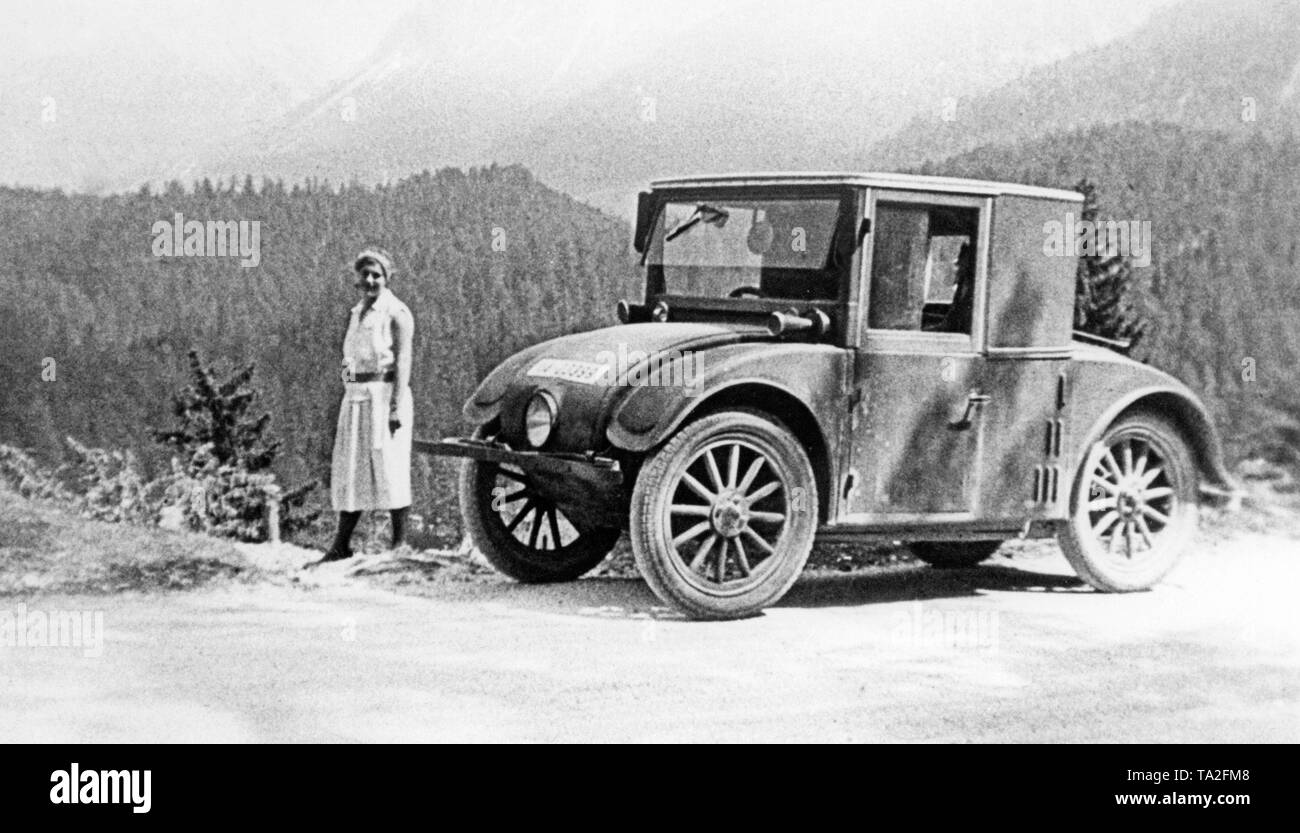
x,y
610,346
811,374
484,404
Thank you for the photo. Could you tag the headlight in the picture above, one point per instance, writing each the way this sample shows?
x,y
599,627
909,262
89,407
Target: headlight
x,y
539,418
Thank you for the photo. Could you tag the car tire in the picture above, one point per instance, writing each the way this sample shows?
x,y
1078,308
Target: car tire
x,y
952,555
515,527
1133,506
724,515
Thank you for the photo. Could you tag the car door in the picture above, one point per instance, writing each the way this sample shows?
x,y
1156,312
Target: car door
x,y
916,425
1027,348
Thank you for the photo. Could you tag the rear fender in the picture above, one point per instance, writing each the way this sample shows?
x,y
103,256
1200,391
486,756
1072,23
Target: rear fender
x,y
1182,407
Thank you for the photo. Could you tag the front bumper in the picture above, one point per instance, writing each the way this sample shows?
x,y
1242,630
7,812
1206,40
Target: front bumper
x,y
584,485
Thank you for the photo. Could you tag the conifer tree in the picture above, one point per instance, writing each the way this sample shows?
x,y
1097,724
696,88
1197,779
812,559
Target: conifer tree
x,y
218,412
226,444
1103,303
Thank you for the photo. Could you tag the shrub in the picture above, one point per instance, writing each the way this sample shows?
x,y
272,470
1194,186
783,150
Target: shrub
x,y
224,483
95,483
32,480
108,485
222,499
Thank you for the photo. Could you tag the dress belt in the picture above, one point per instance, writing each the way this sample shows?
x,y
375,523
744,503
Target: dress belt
x,y
384,376
355,398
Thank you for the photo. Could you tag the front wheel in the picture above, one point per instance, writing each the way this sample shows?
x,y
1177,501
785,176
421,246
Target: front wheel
x,y
523,533
724,514
1133,508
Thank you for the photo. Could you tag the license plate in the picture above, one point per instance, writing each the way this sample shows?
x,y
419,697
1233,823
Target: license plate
x,y
586,373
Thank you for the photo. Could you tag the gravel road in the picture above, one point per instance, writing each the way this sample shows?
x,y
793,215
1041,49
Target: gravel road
x,y
1017,650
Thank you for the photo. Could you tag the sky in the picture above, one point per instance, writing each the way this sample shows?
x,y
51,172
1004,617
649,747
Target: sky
x,y
309,43
98,94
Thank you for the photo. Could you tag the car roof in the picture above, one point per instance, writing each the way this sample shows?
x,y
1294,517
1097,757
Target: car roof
x,y
908,182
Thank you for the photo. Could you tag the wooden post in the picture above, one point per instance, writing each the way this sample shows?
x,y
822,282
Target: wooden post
x,y
273,519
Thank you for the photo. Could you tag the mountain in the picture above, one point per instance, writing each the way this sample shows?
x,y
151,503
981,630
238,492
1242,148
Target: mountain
x,y
596,102
106,105
439,90
1212,64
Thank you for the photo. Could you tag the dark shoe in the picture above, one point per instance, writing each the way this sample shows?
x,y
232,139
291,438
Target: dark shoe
x,y
332,554
399,517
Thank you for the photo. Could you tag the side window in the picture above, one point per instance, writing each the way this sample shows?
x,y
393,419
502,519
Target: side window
x,y
923,268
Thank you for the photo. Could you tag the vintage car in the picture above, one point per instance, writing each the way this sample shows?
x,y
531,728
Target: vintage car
x,y
834,357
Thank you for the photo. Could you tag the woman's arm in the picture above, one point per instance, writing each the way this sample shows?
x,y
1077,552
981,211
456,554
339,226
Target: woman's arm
x,y
403,339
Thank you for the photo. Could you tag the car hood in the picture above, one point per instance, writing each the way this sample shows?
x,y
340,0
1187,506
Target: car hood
x,y
599,359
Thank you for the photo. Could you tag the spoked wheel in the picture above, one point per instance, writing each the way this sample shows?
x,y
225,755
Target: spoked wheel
x,y
522,532
724,515
1133,509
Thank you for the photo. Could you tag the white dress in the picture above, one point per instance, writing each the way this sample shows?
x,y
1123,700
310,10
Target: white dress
x,y
372,465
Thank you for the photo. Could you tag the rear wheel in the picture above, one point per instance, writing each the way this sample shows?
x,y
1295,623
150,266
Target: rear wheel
x,y
723,515
1133,508
523,533
954,554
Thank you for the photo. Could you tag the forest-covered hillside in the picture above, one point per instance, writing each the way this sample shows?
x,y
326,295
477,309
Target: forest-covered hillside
x,y
489,261
1204,64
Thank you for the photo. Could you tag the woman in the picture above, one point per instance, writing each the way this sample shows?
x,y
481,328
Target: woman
x,y
372,444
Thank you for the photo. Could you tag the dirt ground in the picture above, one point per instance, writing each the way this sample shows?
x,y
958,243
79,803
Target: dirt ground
x,y
431,649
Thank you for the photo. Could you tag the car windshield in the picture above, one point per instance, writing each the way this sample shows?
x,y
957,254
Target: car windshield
x,y
765,248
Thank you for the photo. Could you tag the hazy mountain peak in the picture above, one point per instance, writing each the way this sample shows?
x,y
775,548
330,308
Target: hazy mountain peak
x,y
595,97
1216,64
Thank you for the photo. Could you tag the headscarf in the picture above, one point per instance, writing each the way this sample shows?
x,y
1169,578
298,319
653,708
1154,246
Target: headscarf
x,y
377,256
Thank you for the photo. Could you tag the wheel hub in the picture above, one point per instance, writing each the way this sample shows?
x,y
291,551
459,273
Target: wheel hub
x,y
729,515
1128,503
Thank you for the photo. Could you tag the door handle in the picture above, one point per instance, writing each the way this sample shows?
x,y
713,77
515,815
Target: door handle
x,y
975,400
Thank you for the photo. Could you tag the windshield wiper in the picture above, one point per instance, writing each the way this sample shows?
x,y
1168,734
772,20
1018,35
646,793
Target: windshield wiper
x,y
702,212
